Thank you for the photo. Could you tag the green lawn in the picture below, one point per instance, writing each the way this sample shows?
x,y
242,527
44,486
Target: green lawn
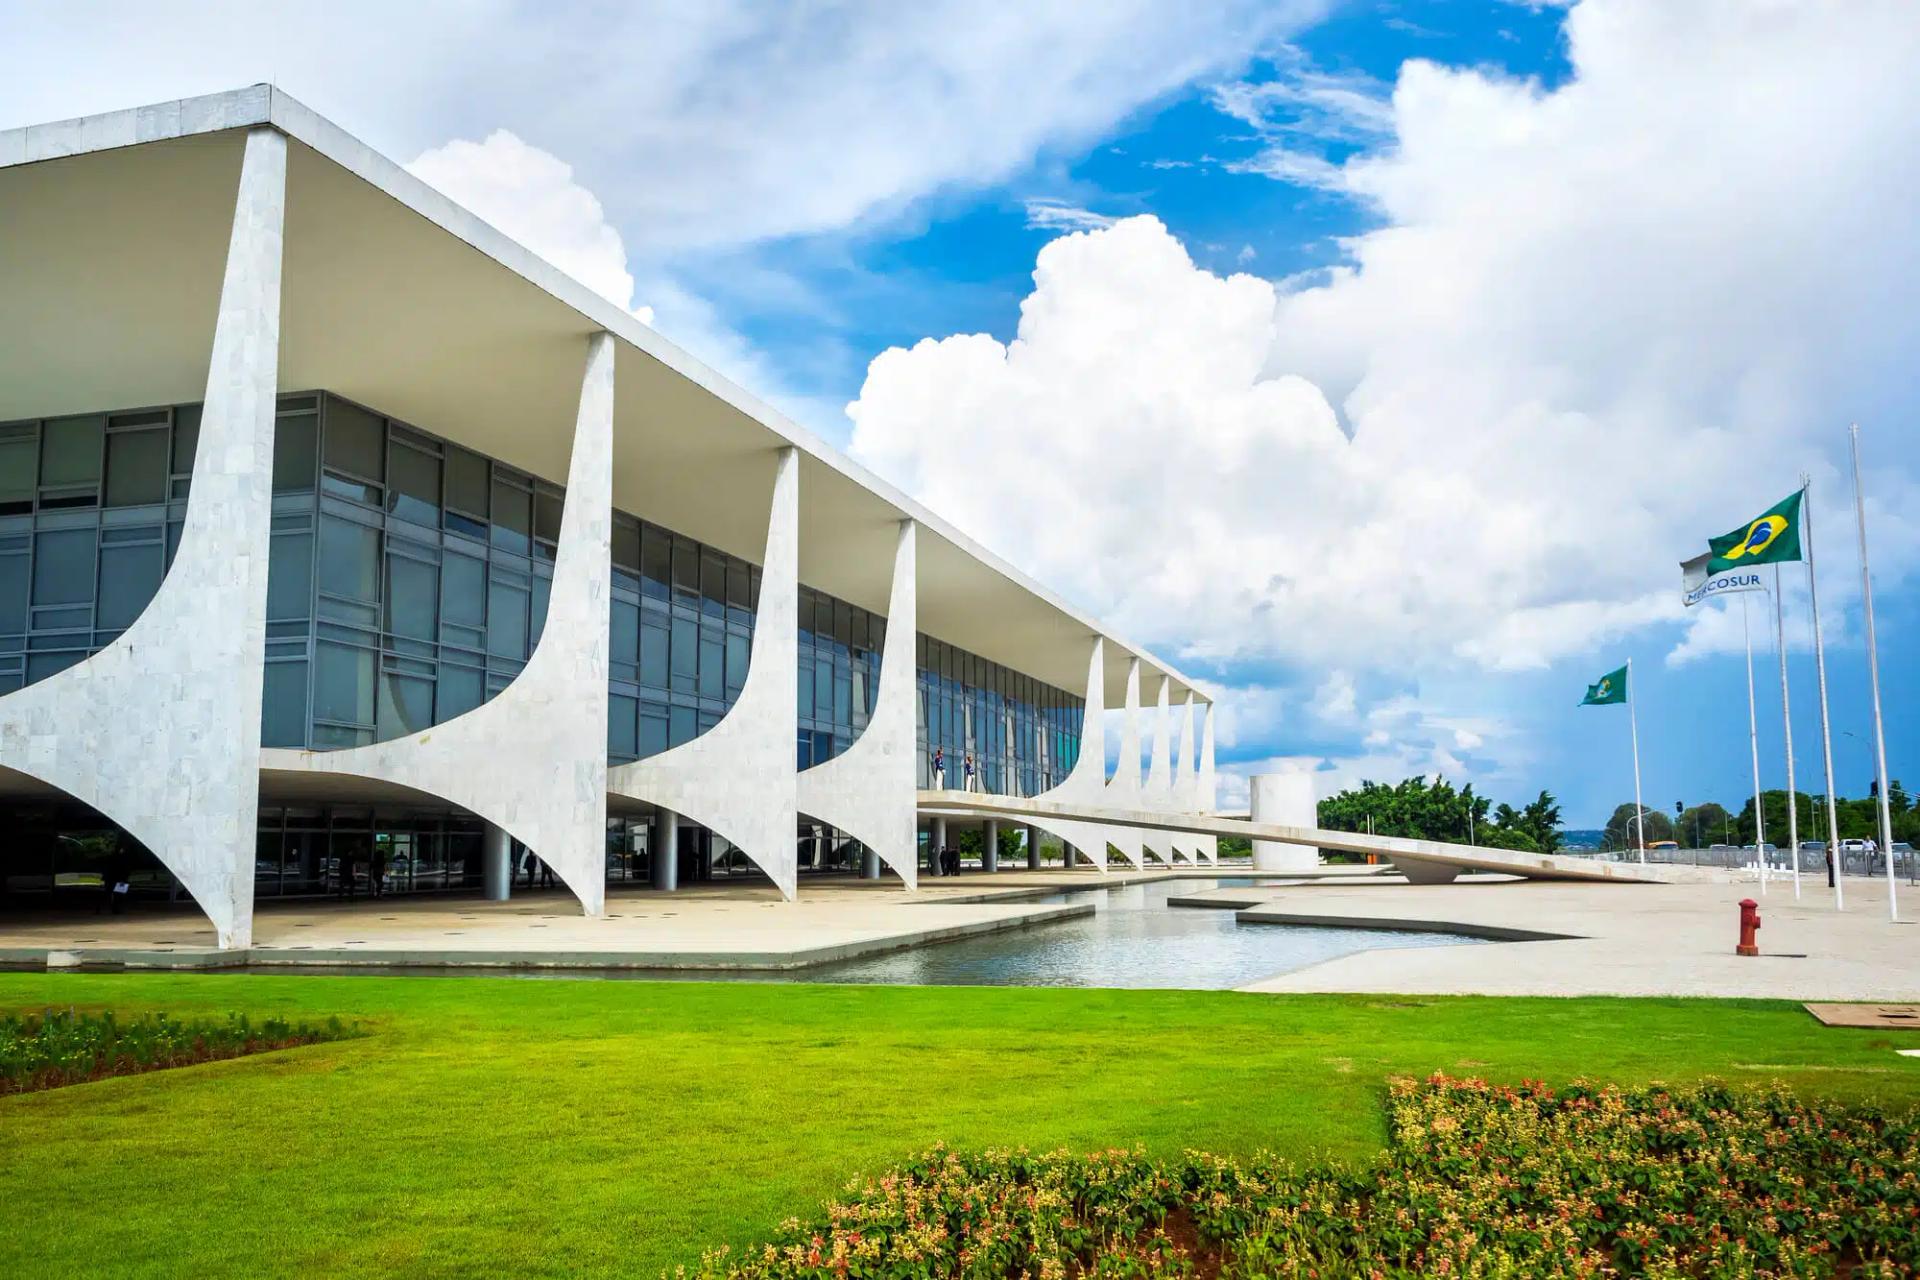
x,y
494,1126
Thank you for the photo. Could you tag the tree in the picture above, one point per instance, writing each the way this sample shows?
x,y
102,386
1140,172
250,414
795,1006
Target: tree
x,y
1705,824
1620,833
1433,810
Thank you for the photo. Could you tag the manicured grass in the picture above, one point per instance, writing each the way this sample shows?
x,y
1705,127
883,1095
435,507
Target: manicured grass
x,y
494,1126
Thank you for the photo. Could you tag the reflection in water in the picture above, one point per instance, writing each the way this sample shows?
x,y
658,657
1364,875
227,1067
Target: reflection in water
x,y
1134,939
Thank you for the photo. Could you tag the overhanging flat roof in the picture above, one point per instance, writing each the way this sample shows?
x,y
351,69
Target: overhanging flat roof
x,y
113,232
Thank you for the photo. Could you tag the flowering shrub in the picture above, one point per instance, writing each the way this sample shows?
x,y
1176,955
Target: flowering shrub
x,y
1478,1181
56,1048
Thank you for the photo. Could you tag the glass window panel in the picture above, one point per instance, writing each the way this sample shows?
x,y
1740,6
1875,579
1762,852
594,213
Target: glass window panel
x,y
653,729
803,756
512,517
623,726
283,709
507,621
42,665
413,489
461,690
736,662
656,563
653,654
712,664
686,569
842,701
19,465
823,688
685,654
406,705
70,451
290,576
805,706
293,446
682,726
413,596
467,482
542,592
343,683
63,566
349,559
737,585
713,583
129,575
136,468
624,643
13,594
186,438
354,441
463,590
626,546
546,516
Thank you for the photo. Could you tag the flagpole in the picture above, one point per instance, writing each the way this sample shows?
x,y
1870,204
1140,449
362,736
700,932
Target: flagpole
x,y
1753,746
1633,725
1873,670
1786,721
1834,869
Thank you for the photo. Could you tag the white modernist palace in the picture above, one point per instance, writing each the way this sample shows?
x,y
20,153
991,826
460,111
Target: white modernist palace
x,y
347,546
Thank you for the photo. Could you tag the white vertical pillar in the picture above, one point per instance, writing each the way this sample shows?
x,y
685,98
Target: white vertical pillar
x,y
1085,783
1033,847
1185,779
937,840
990,846
869,789
666,853
1283,799
738,778
1156,793
1205,801
160,730
1123,790
496,867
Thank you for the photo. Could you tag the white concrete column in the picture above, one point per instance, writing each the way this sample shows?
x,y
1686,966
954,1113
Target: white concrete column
x,y
990,846
533,759
496,864
1086,781
1206,847
666,850
1033,847
1185,780
1156,793
1122,791
1284,799
937,841
738,778
869,790
870,862
160,730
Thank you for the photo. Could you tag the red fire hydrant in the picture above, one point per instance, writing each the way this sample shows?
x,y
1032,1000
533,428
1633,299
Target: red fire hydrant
x,y
1749,925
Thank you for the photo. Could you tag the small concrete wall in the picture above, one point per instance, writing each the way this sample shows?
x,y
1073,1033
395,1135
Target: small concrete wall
x,y
160,730
868,790
1285,799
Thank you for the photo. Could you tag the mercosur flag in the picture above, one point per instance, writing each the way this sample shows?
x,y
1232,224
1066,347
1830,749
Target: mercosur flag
x,y
1768,539
1609,688
1696,584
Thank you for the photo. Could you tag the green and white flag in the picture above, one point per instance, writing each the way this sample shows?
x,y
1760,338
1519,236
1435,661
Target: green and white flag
x,y
1608,689
1769,538
1696,584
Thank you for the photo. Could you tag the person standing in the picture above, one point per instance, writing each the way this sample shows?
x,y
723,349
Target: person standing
x,y
939,768
967,765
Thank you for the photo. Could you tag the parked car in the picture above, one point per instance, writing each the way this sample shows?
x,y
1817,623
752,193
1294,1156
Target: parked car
x,y
1853,846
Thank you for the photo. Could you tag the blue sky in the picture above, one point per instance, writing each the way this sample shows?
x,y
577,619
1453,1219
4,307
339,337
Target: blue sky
x,y
1375,363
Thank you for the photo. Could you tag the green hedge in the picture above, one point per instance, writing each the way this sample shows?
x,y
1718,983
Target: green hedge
x,y
58,1047
1478,1180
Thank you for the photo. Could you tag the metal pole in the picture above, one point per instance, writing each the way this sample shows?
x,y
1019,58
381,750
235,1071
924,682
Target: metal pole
x,y
1826,730
1753,745
1786,719
1633,726
1873,671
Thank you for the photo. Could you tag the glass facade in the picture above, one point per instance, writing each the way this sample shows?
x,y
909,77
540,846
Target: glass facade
x,y
840,647
1023,735
408,582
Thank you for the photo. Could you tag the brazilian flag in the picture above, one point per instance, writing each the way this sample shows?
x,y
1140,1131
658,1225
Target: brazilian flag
x,y
1609,688
1769,538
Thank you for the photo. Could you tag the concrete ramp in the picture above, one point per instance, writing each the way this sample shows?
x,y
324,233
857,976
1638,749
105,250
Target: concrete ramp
x,y
1421,861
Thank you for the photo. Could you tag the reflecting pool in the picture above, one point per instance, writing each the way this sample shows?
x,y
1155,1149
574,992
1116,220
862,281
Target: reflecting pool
x,y
1133,939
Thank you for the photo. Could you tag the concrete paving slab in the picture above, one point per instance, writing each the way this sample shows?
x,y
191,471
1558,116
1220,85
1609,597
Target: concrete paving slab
x,y
1670,939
